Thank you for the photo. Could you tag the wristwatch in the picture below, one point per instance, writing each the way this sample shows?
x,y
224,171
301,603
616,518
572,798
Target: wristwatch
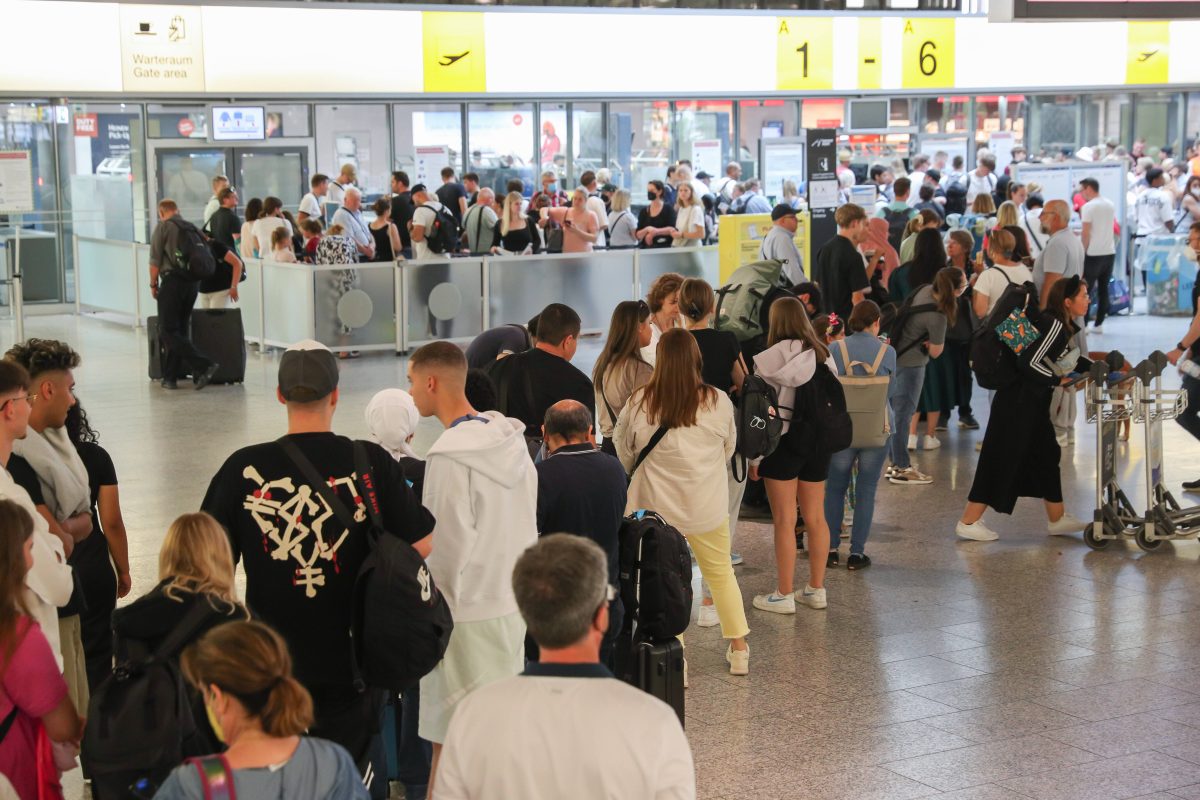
x,y
1181,346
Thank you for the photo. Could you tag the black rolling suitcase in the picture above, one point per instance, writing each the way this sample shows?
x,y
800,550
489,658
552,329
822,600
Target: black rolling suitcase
x,y
217,333
655,572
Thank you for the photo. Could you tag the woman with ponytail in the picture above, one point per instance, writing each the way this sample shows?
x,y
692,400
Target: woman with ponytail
x,y
260,712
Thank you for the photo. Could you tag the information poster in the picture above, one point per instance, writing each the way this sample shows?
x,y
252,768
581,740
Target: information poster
x,y
1001,144
430,158
706,157
822,163
783,159
16,182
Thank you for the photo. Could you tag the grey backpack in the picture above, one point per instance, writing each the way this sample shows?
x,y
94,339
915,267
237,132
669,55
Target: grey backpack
x,y
866,399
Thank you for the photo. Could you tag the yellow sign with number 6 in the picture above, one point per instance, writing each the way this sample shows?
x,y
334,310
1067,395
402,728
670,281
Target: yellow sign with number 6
x,y
927,53
803,53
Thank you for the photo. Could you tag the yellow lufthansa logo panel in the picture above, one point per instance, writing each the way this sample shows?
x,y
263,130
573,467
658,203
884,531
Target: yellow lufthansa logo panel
x,y
870,53
1148,54
927,53
803,53
454,58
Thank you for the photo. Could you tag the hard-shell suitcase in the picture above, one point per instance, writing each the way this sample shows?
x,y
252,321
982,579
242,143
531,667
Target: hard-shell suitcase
x,y
217,333
658,671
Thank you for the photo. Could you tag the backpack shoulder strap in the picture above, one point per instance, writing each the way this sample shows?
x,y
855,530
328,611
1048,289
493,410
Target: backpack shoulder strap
x,y
650,445
183,631
366,483
216,777
878,358
604,396
318,484
845,351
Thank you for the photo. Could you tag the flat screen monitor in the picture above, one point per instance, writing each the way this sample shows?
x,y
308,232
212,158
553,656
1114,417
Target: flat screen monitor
x,y
238,123
868,115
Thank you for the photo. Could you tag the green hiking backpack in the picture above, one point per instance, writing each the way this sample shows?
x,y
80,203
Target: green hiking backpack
x,y
742,303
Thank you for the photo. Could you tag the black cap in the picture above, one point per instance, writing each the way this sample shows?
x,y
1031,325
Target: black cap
x,y
308,372
782,210
701,175
420,187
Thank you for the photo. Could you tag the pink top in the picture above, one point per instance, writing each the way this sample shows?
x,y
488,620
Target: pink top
x,y
32,682
586,221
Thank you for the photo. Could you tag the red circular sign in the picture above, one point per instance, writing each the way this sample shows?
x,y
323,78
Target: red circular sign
x,y
518,119
186,127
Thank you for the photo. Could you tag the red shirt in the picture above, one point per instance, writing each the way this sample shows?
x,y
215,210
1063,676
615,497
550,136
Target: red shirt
x,y
33,683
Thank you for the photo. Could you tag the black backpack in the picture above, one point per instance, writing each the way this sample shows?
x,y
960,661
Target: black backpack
x,y
956,196
140,721
759,424
443,235
897,221
993,362
820,419
894,318
402,623
192,256
656,578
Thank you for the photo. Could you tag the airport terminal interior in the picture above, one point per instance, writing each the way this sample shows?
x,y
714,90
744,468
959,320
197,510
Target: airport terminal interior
x,y
960,666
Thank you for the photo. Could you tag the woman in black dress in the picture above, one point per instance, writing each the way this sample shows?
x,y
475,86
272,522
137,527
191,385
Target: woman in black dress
x,y
657,220
1020,454
384,231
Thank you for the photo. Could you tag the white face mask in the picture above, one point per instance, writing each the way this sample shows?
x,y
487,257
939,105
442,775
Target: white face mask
x,y
1196,191
1190,254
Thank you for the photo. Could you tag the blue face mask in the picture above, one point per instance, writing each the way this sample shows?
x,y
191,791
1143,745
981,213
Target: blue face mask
x,y
552,187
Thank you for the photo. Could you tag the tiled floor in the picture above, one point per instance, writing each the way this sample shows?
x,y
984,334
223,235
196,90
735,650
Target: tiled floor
x,y
1031,667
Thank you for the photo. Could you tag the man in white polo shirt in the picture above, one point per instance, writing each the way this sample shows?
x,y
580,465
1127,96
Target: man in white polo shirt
x,y
565,727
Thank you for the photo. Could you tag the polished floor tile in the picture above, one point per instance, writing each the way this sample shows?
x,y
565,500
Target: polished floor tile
x,y
1027,668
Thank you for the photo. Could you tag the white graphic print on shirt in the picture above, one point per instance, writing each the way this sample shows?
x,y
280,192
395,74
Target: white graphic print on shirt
x,y
303,513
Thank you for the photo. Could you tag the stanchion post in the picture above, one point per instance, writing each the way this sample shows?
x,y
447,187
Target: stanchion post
x,y
17,293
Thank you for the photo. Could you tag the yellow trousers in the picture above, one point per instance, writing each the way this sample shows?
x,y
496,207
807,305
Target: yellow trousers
x,y
712,556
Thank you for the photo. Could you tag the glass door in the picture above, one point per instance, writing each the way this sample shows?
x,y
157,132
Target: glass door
x,y
273,171
185,176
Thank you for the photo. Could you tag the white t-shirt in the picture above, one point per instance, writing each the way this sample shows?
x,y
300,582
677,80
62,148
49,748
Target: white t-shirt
x,y
336,192
309,204
1031,223
544,737
1153,209
991,281
977,185
263,227
1101,214
596,206
686,219
425,215
247,244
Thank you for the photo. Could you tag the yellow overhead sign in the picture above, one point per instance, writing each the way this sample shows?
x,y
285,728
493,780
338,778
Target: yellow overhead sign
x,y
454,54
870,53
1148,56
804,53
927,53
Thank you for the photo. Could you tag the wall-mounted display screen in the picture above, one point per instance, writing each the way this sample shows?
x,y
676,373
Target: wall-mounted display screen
x,y
238,123
1105,9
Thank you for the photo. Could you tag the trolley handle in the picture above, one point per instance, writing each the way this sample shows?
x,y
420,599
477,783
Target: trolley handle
x,y
1151,367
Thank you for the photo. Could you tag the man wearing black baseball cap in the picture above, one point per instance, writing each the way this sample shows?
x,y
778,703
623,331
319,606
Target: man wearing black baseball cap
x,y
780,244
300,559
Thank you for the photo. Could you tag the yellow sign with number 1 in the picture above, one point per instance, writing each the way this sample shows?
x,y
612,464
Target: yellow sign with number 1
x,y
927,53
803,53
1148,58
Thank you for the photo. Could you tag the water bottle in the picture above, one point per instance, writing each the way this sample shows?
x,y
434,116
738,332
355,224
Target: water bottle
x,y
1189,368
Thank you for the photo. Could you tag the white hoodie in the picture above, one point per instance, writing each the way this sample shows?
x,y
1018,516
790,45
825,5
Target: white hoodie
x,y
48,585
787,365
481,487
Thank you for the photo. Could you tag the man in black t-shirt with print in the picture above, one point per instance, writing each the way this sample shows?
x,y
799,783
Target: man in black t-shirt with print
x,y
528,383
300,561
839,269
217,290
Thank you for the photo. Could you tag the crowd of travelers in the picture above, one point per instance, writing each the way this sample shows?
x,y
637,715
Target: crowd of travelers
x,y
496,559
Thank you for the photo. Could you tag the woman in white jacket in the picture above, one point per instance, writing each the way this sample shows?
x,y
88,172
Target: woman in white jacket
x,y
791,359
683,477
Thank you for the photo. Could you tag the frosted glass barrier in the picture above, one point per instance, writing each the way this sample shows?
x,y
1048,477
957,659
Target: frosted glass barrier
x,y
287,303
443,298
106,275
250,300
690,262
147,305
591,283
356,308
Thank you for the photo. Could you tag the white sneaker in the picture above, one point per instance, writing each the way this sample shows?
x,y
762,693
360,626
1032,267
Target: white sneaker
x,y
1097,329
1065,524
739,660
813,598
1062,439
976,531
931,443
912,441
708,617
911,476
775,602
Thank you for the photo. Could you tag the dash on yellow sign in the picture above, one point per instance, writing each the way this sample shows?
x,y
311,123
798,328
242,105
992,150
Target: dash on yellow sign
x,y
803,53
870,53
454,57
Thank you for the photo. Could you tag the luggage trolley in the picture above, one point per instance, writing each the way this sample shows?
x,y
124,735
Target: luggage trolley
x,y
1108,407
1153,404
